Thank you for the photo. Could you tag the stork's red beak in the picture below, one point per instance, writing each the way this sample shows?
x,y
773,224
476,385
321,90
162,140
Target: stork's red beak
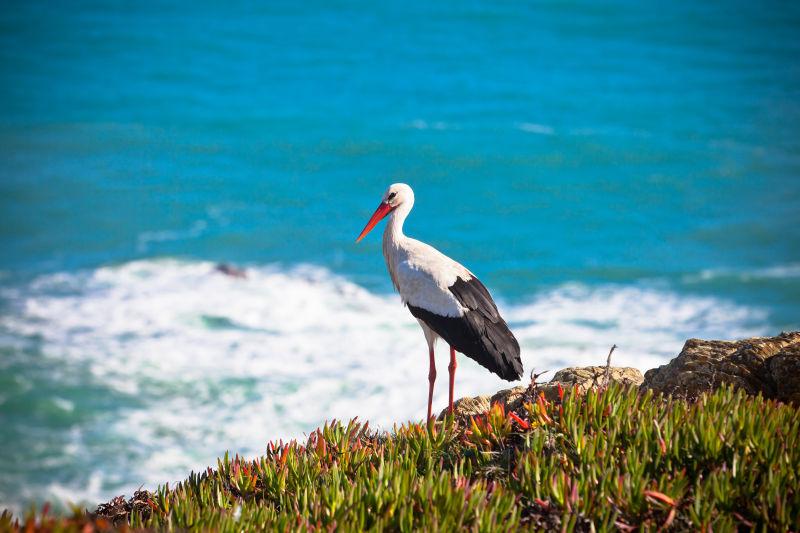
x,y
383,210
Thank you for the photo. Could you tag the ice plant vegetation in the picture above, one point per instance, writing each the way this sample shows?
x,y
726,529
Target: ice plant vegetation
x,y
611,459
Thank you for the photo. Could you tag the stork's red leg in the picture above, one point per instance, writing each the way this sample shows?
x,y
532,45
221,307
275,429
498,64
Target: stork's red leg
x,y
431,379
452,369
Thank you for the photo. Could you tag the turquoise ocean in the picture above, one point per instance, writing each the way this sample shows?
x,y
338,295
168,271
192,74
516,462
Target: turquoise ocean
x,y
616,173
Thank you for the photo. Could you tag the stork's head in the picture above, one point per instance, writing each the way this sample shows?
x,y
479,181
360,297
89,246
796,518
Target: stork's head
x,y
397,195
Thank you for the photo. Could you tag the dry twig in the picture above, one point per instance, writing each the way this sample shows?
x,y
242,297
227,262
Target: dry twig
x,y
608,366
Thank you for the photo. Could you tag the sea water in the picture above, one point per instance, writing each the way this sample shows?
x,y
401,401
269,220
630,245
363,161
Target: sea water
x,y
616,174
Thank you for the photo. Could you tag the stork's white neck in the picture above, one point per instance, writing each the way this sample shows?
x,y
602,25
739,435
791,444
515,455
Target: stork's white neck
x,y
393,233
394,241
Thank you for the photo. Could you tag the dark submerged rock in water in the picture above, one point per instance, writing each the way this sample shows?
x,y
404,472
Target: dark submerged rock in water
x,y
766,365
230,270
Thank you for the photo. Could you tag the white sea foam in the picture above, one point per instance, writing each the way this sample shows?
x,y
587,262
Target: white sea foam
x,y
575,325
539,129
787,271
147,238
217,362
419,124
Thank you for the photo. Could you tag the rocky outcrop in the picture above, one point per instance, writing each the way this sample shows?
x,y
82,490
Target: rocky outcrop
x,y
784,370
590,376
466,407
766,365
769,366
569,378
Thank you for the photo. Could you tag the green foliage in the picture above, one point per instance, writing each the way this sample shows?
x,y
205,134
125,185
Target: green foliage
x,y
611,459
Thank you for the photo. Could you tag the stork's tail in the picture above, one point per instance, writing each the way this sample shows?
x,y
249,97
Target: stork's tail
x,y
501,349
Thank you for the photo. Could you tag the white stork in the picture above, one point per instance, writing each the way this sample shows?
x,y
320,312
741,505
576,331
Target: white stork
x,y
447,300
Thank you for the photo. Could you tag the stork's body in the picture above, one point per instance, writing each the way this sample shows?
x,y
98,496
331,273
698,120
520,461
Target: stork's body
x,y
447,300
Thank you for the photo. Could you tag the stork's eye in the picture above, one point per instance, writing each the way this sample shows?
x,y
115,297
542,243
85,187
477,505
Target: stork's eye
x,y
392,195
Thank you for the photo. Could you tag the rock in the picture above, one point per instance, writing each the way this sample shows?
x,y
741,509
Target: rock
x,y
509,398
784,370
766,365
590,376
118,510
466,407
230,270
568,378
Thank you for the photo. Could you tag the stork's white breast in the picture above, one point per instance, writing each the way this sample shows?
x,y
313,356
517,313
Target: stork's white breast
x,y
423,277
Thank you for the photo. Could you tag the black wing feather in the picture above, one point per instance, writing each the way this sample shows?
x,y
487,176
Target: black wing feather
x,y
474,296
481,334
